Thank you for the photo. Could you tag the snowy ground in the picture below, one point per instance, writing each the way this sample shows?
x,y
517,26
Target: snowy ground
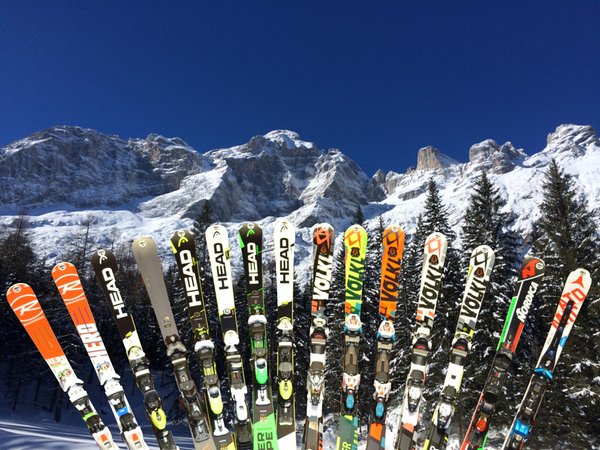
x,y
33,431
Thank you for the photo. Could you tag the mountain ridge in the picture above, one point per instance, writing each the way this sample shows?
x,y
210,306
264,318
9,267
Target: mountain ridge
x,y
65,175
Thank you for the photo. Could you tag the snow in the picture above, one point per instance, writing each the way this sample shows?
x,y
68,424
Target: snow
x,y
288,138
34,430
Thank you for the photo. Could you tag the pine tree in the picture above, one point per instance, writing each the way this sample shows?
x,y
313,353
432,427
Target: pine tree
x,y
19,263
485,223
203,221
566,237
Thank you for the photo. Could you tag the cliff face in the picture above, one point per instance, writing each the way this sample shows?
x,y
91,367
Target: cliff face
x,y
429,158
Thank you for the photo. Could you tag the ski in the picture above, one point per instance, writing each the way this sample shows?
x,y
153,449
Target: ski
x,y
67,281
528,281
28,310
434,256
184,248
478,278
322,269
355,243
264,428
574,293
217,242
393,247
105,267
146,256
284,239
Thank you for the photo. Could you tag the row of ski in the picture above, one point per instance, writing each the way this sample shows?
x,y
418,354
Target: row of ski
x,y
270,422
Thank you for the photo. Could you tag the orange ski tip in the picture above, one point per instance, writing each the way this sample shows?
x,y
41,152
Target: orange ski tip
x,y
409,427
17,291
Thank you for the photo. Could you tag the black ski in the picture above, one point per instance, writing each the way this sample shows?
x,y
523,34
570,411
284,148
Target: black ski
x,y
184,247
106,268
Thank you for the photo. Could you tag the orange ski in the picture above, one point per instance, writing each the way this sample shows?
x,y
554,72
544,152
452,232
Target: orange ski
x,y
26,306
69,285
393,247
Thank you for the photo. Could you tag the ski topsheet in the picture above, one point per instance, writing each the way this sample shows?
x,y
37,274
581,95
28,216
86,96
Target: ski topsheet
x,y
478,278
26,306
184,248
529,278
284,240
322,269
105,267
434,257
355,242
217,242
69,286
146,257
393,247
574,293
264,428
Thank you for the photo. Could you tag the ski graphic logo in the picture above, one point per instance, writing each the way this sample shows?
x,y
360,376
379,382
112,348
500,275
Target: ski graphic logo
x,y
92,340
434,245
220,267
524,309
101,256
480,261
264,440
529,269
322,239
252,250
429,292
182,238
474,297
389,285
71,286
108,276
284,260
28,311
322,280
189,278
577,296
354,283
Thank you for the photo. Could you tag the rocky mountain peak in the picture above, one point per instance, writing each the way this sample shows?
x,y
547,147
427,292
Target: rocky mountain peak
x,y
572,138
497,158
288,139
430,158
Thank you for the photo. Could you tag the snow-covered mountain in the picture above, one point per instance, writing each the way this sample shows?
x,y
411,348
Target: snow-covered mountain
x,y
65,175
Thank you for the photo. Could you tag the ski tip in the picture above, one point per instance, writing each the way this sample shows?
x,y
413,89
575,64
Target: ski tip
x,y
482,249
582,278
101,255
436,244
18,289
282,225
142,241
355,228
437,235
484,257
532,267
63,266
215,230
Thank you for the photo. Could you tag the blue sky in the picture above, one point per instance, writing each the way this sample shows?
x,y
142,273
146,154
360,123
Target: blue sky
x,y
376,79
